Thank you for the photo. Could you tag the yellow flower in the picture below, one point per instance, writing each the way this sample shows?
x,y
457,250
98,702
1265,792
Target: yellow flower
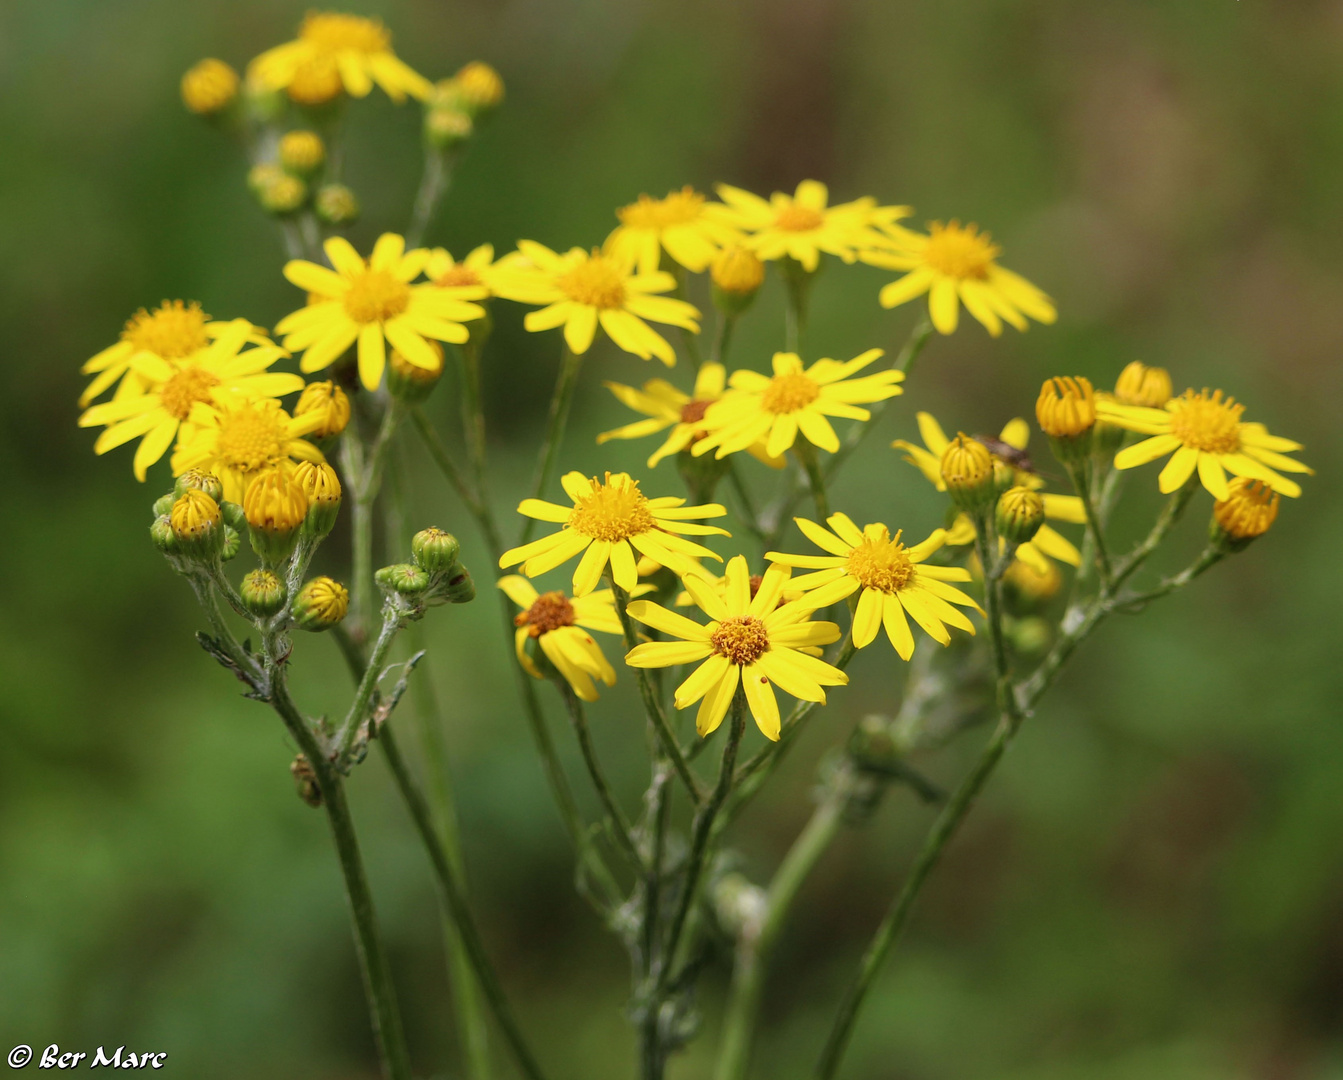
x,y
683,224
581,290
608,522
172,331
320,604
1015,437
209,87
776,409
172,389
373,303
1248,511
718,584
1139,384
751,642
1066,407
799,226
1205,432
478,86
955,265
473,272
238,439
359,51
559,625
893,578
330,402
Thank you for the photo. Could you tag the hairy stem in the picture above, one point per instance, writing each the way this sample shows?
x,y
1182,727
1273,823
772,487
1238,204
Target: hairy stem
x,y
619,823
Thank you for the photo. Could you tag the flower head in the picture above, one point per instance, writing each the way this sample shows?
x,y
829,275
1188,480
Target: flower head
x,y
170,390
1066,407
559,624
800,226
737,273
301,152
1248,511
894,580
966,471
333,52
750,641
374,304
611,519
775,409
1203,431
478,87
582,289
686,226
1139,384
237,440
956,265
209,87
475,271
330,402
320,604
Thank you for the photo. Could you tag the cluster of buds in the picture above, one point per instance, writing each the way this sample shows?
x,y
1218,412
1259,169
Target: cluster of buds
x,y
458,104
193,525
434,576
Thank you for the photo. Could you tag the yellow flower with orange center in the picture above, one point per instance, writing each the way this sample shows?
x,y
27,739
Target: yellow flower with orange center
x,y
957,265
171,389
609,521
1204,432
894,579
353,51
776,408
582,290
375,304
238,439
683,224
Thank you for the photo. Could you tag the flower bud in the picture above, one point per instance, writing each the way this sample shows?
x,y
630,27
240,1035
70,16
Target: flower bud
x,y
302,153
320,604
446,126
736,275
336,204
197,524
459,588
478,87
232,542
315,82
199,480
276,507
967,470
209,87
1029,636
1019,514
1004,476
410,382
328,399
1139,384
1247,512
1027,588
322,487
162,536
434,550
1066,412
282,195
262,175
404,578
234,517
164,504
262,593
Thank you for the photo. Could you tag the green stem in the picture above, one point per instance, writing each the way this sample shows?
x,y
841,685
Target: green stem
x,y
1079,474
722,337
391,623
619,823
753,951
560,403
748,516
1211,555
797,282
806,454
434,182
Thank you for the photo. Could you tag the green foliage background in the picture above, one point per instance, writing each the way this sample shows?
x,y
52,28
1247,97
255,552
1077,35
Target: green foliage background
x,y
1153,887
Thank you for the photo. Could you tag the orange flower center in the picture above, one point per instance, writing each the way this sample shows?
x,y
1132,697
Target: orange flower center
x,y
958,252
548,612
692,412
742,639
1206,421
595,282
375,295
795,218
614,511
458,275
335,32
788,393
678,208
172,330
184,389
882,564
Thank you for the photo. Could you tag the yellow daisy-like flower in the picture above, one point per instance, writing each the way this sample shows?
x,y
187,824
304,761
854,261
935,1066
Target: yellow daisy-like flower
x,y
794,400
893,578
718,584
356,50
1047,543
956,265
171,389
750,641
1203,431
476,271
583,289
172,331
610,520
238,440
799,226
559,625
684,224
374,304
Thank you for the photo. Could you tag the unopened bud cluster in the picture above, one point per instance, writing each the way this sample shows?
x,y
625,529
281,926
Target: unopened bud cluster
x,y
434,576
457,104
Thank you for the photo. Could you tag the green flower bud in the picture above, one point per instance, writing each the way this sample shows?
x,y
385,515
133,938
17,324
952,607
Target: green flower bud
x,y
283,195
199,480
322,487
1019,514
263,593
404,578
336,204
1004,476
276,507
1030,635
302,153
197,524
446,126
320,604
234,516
434,550
232,544
164,504
161,533
459,588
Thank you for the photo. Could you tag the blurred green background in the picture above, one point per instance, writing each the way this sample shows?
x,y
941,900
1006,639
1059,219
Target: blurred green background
x,y
1153,887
